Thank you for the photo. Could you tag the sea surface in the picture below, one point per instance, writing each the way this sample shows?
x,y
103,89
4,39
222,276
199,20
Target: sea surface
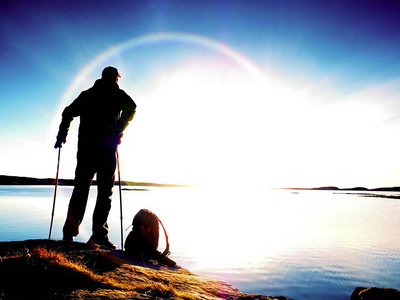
x,y
299,244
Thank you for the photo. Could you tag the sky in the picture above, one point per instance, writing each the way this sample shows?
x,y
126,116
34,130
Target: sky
x,y
273,93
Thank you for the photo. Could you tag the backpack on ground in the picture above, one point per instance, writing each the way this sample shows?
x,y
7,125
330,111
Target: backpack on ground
x,y
142,241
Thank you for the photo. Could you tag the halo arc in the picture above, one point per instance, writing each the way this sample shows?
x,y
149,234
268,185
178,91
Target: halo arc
x,y
150,39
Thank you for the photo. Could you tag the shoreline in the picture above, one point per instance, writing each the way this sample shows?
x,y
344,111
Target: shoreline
x,y
21,180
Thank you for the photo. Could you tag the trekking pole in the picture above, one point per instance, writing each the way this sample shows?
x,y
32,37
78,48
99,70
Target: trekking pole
x,y
55,192
120,202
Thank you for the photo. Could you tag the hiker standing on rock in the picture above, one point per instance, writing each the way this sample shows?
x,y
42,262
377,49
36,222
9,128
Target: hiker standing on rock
x,y
105,111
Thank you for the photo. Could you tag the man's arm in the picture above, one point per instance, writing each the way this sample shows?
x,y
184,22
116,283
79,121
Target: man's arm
x,y
128,111
63,129
68,115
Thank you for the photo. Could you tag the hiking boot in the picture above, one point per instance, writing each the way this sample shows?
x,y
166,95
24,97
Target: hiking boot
x,y
68,238
101,242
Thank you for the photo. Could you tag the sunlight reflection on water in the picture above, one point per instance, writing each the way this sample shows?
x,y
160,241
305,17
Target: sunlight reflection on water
x,y
305,245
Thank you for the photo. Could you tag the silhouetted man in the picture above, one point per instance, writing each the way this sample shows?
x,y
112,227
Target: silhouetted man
x,y
105,111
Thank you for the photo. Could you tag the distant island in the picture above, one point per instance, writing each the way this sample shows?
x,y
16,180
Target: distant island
x,y
355,189
17,180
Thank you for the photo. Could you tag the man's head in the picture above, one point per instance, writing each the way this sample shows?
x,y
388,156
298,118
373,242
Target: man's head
x,y
110,74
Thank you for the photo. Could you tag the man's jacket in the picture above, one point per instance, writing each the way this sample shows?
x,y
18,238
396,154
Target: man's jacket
x,y
104,110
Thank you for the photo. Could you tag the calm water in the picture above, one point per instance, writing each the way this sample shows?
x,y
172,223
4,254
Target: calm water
x,y
303,245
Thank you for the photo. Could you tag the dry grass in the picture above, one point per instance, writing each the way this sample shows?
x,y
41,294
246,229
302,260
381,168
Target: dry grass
x,y
52,259
46,272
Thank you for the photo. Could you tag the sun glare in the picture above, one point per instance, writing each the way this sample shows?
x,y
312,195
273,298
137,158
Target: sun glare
x,y
194,123
207,115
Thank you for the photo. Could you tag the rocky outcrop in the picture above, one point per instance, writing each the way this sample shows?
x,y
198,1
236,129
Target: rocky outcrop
x,y
374,293
49,269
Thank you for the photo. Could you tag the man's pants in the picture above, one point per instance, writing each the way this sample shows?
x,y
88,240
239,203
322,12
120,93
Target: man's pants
x,y
92,160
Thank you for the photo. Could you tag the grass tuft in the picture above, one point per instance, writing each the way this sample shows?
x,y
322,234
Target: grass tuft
x,y
43,269
46,272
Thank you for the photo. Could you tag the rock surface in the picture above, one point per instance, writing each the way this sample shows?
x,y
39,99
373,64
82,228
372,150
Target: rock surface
x,y
374,293
49,269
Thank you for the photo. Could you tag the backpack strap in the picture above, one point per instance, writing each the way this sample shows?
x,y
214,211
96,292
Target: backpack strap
x,y
166,251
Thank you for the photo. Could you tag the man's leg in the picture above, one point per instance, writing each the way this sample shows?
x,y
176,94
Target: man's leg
x,y
77,205
105,184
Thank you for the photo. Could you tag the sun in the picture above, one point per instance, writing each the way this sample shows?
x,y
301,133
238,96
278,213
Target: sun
x,y
193,125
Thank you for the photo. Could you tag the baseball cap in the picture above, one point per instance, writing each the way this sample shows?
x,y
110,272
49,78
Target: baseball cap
x,y
110,72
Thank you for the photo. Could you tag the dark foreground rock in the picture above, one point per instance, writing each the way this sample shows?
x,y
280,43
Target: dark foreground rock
x,y
374,293
49,269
